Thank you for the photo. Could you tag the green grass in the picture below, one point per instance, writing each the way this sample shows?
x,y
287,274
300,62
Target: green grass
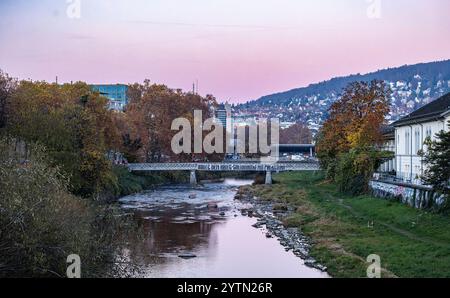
x,y
410,242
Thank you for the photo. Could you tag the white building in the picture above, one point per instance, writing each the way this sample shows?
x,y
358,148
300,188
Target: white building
x,y
411,133
388,145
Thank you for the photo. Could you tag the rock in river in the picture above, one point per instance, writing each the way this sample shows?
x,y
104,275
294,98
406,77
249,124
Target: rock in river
x,y
187,256
212,205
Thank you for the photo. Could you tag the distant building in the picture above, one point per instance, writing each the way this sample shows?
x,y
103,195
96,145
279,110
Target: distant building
x,y
116,93
411,132
223,114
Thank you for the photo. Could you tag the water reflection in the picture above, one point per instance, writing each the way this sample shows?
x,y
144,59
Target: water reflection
x,y
207,223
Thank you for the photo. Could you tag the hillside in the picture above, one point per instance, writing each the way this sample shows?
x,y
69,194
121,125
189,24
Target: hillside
x,y
412,87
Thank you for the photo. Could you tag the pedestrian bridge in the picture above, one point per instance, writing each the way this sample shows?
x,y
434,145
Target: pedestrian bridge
x,y
227,167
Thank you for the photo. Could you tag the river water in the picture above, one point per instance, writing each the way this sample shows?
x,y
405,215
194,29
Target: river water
x,y
179,221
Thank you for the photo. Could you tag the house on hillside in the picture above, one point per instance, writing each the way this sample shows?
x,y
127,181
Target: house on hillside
x,y
411,132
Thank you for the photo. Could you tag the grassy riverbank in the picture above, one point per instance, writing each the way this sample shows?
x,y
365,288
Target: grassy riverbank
x,y
345,230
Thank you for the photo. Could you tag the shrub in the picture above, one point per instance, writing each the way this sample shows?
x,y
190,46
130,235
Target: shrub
x,y
41,223
355,169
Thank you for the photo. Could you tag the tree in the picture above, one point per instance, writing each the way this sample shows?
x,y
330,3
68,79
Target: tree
x,y
356,118
355,168
127,140
296,134
354,125
7,86
73,124
152,109
437,158
41,222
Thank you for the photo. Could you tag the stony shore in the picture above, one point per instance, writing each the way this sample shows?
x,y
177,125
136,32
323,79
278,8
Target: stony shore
x,y
271,216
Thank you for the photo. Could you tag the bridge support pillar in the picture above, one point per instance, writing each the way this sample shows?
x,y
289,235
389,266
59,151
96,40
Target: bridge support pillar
x,y
268,178
193,178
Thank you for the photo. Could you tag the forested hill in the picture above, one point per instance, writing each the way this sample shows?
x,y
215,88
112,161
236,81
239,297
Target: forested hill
x,y
412,86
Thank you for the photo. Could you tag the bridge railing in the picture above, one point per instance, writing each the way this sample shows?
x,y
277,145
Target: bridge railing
x,y
226,166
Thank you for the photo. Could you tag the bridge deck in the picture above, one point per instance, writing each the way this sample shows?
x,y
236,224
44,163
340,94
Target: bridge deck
x,y
226,167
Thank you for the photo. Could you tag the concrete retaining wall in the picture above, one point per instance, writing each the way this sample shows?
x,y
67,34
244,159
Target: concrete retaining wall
x,y
421,197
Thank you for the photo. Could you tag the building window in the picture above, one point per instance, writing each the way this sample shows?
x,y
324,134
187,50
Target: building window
x,y
417,140
428,132
407,136
397,141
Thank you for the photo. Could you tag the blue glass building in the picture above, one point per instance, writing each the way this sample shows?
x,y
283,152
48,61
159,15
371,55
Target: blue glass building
x,y
116,93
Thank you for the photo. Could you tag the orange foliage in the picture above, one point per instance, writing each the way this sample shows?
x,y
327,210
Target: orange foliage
x,y
355,119
152,109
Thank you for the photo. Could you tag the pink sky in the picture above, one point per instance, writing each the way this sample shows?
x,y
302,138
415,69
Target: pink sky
x,y
238,50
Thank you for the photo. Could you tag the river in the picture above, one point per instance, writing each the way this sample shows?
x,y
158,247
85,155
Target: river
x,y
205,225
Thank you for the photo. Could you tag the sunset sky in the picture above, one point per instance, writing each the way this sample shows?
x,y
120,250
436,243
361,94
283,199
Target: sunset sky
x,y
238,50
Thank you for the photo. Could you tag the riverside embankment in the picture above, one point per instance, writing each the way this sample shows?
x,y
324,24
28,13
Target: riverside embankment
x,y
341,231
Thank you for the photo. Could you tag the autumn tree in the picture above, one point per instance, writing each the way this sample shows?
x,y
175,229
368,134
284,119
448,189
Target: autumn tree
x,y
354,125
149,110
152,109
296,134
72,123
78,130
125,134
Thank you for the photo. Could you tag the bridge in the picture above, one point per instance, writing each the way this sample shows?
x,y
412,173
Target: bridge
x,y
269,168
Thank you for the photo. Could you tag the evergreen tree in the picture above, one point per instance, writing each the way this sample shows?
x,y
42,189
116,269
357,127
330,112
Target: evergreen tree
x,y
438,161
